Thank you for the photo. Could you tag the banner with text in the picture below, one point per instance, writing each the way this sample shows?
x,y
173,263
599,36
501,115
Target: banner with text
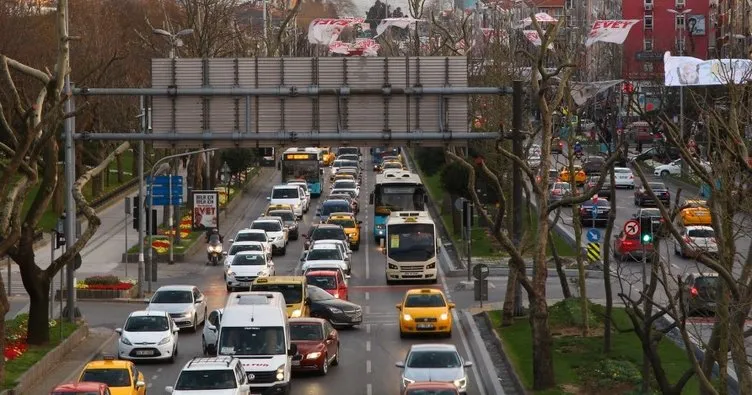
x,y
402,23
689,71
540,17
534,37
324,31
610,31
205,210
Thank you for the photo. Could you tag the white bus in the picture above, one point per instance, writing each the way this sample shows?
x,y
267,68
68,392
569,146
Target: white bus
x,y
410,247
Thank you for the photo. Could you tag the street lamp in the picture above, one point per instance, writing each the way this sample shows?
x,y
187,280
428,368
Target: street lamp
x,y
226,179
175,40
683,13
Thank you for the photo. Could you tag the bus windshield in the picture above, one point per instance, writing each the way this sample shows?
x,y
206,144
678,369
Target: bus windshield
x,y
411,242
301,170
400,198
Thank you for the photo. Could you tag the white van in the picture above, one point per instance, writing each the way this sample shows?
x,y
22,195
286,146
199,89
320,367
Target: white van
x,y
266,298
259,335
288,194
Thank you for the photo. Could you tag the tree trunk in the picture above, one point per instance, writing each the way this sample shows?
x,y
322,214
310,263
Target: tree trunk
x,y
543,363
559,269
507,313
4,307
58,196
216,166
96,186
119,166
37,285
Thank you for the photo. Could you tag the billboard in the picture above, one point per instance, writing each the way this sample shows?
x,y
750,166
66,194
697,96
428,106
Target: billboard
x,y
696,25
205,210
333,110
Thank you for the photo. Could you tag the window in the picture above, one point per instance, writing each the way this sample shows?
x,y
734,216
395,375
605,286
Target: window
x,y
648,20
679,21
648,45
681,3
568,4
647,67
648,4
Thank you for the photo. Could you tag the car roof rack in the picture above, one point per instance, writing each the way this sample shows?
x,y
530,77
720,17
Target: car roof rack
x,y
227,360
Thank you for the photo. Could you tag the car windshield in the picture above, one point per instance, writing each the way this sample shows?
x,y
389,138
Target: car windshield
x,y
328,234
293,293
424,300
395,197
111,377
147,324
306,331
622,171
252,340
650,212
248,260
322,281
701,233
392,165
343,222
600,203
411,242
349,163
300,184
285,215
562,185
267,226
706,282
349,192
335,207
172,297
433,359
348,157
420,391
348,151
197,380
251,236
285,193
345,184
324,254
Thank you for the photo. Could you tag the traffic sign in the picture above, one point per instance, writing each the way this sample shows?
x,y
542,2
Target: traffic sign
x,y
594,252
176,200
593,235
632,228
165,181
480,271
161,187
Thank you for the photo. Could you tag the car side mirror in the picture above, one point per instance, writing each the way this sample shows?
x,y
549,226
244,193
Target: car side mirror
x,y
451,305
293,349
307,301
147,300
398,306
140,384
119,331
468,364
168,389
400,365
232,240
224,253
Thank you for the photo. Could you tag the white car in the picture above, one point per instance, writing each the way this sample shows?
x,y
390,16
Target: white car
x,y
624,177
351,193
222,375
313,266
148,334
325,253
346,185
674,168
240,246
246,266
434,362
340,163
341,244
275,231
288,194
185,304
210,333
303,185
254,235
698,239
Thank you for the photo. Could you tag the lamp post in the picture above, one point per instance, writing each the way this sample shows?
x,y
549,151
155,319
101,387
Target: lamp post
x,y
226,179
683,13
175,41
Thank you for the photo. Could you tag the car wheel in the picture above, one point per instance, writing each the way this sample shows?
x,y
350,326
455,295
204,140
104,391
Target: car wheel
x,y
229,289
402,334
335,362
448,335
664,173
283,250
194,328
325,366
203,346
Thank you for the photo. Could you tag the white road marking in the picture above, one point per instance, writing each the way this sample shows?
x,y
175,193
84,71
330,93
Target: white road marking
x,y
369,389
368,366
154,377
159,370
368,328
368,295
368,309
368,250
368,345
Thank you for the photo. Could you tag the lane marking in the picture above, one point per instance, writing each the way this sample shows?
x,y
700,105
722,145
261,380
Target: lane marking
x,y
368,345
369,389
154,377
368,328
368,251
368,366
368,309
368,295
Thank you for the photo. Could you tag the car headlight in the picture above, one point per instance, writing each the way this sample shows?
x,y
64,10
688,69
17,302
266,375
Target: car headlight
x,y
335,310
165,340
280,373
125,341
407,317
444,316
263,273
406,381
431,266
393,266
296,313
230,274
313,355
461,383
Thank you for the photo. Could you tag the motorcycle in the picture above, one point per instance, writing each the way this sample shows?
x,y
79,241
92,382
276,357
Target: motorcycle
x,y
214,251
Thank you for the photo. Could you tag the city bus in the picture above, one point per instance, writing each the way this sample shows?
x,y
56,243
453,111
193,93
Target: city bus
x,y
266,156
303,163
395,191
410,247
378,154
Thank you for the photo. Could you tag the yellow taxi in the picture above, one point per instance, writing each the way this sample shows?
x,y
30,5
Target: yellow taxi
x,y
327,156
121,376
273,207
351,226
343,176
425,310
293,288
695,212
579,175
391,165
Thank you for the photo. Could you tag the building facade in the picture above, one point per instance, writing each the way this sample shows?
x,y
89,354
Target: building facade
x,y
678,26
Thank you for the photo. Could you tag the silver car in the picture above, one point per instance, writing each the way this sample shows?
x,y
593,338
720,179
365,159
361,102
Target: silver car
x,y
434,362
185,304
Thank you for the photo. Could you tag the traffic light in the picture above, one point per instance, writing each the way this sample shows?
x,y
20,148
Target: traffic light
x,y
646,230
152,219
136,212
59,239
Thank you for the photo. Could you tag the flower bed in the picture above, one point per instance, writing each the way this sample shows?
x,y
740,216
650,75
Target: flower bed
x,y
105,287
15,337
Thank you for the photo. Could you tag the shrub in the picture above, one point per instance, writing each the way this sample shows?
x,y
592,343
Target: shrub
x,y
102,280
454,179
430,159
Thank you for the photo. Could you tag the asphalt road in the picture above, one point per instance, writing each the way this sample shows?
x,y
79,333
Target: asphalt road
x,y
369,351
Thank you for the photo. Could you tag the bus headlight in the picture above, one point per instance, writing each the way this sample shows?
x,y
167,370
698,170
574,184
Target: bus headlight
x,y
393,266
280,373
431,266
295,313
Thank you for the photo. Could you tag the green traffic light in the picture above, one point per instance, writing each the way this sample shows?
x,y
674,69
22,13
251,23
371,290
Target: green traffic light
x,y
646,238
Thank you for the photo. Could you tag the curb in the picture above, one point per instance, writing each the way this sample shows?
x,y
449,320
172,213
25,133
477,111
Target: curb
x,y
488,374
114,300
91,356
513,377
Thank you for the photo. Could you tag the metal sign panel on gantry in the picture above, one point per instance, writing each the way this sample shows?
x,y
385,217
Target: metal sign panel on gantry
x,y
350,100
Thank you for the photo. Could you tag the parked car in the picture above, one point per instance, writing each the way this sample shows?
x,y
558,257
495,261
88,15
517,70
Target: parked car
x,y
642,197
699,239
699,292
629,247
624,177
674,168
594,214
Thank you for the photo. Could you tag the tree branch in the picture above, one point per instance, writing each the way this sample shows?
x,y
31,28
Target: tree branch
x,y
40,75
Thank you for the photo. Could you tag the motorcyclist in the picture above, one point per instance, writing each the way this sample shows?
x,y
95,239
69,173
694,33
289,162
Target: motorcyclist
x,y
214,232
577,148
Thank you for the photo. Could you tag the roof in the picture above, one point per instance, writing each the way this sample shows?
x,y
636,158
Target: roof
x,y
424,291
247,230
248,243
326,226
348,215
408,217
251,252
286,186
280,279
307,320
321,273
176,288
433,347
147,313
335,201
266,219
323,246
698,227
108,364
82,386
399,177
245,312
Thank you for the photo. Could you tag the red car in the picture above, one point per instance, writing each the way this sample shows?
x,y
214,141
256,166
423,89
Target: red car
x,y
330,281
430,388
82,388
626,247
317,342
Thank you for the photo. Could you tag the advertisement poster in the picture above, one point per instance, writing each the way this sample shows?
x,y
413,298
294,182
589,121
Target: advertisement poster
x,y
205,210
696,25
689,71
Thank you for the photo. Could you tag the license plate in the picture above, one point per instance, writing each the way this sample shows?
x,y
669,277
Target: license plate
x,y
295,363
145,352
244,283
425,326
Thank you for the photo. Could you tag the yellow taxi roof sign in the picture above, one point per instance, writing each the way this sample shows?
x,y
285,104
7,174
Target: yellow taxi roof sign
x,y
411,219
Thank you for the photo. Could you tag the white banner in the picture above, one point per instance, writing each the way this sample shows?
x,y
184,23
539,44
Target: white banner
x,y
540,17
534,37
610,31
324,31
689,71
205,211
402,23
583,91
361,47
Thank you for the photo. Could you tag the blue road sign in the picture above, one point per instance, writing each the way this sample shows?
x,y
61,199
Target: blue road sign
x,y
161,189
177,181
593,235
594,210
177,200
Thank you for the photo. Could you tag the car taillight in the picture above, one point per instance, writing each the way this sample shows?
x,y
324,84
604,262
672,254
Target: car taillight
x,y
693,291
336,295
687,239
628,243
631,177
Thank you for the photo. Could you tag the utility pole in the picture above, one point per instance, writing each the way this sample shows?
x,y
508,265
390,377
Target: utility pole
x,y
517,183
680,43
141,200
